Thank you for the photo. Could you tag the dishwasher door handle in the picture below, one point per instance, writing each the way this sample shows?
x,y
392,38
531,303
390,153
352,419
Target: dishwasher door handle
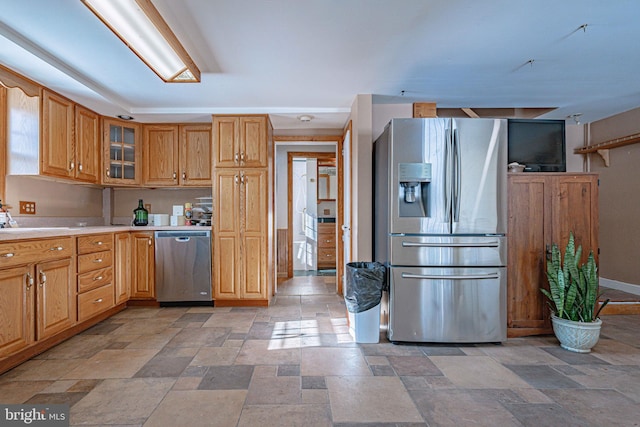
x,y
182,239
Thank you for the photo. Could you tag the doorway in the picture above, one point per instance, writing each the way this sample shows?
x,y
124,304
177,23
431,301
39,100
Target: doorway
x,y
312,212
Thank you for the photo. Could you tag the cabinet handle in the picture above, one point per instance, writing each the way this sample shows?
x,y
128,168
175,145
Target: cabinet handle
x,y
95,279
327,241
108,172
99,260
242,157
80,167
43,279
98,301
235,177
242,180
56,248
29,281
184,175
71,165
175,175
236,158
7,255
99,243
150,241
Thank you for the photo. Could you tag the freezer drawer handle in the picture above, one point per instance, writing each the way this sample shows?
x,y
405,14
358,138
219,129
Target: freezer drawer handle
x,y
182,239
450,276
451,245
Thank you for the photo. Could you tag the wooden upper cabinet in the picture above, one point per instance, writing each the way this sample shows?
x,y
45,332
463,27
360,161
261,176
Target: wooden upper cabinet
x,y
57,146
253,138
160,155
120,152
177,155
87,145
195,155
240,141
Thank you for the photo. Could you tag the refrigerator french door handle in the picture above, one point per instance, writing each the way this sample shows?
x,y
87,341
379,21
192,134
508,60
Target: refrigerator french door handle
x,y
447,176
458,174
494,244
450,276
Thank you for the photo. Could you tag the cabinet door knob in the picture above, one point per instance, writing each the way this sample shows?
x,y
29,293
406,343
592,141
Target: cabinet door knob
x,y
242,157
99,260
43,278
7,255
150,241
108,172
56,248
80,167
98,301
236,157
99,243
184,175
175,175
235,177
71,165
95,279
29,281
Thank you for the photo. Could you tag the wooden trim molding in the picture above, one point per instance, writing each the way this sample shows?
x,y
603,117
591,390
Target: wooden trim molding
x,y
9,78
316,138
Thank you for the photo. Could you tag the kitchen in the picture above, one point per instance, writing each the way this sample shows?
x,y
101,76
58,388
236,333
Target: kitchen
x,y
368,117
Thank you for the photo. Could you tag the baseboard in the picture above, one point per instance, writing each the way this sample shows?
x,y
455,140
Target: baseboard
x,y
621,286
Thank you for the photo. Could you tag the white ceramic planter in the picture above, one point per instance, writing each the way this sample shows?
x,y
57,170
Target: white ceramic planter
x,y
576,336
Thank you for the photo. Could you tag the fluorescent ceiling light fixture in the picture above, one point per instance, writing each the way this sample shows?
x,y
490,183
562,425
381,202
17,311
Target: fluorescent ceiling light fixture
x,y
141,27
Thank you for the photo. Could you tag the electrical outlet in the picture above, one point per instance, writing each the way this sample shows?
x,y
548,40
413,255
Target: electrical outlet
x,y
27,208
147,206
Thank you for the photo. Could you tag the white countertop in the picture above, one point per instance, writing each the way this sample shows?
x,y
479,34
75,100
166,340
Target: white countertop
x,y
7,234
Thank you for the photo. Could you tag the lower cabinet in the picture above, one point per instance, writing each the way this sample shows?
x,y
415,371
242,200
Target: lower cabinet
x,y
326,245
122,267
37,291
142,265
95,275
544,208
55,297
17,293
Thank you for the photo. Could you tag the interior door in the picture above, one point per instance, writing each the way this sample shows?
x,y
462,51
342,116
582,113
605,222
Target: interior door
x,y
346,216
311,215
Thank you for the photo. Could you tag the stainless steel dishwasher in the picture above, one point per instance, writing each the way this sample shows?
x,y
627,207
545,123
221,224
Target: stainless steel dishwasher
x,y
183,267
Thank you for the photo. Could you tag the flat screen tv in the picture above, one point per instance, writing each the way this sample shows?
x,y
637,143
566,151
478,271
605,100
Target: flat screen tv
x,y
537,144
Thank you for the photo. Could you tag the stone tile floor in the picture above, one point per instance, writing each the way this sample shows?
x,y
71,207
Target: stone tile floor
x,y
295,364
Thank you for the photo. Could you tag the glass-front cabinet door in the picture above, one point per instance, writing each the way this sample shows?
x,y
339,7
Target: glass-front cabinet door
x,y
121,142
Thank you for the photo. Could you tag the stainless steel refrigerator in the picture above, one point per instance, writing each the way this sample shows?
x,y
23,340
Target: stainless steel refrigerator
x,y
440,222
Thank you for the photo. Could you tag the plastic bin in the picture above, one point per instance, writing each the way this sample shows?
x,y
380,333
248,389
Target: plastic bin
x,y
365,283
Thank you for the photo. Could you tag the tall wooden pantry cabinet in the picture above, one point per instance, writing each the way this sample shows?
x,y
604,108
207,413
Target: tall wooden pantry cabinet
x,y
242,206
543,209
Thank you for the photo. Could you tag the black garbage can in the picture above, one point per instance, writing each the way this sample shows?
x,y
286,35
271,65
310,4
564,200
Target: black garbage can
x,y
365,283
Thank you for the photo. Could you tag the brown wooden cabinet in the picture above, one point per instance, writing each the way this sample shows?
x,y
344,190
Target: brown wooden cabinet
x,y
326,245
121,152
55,297
241,141
195,155
160,155
122,267
57,151
87,145
240,255
142,265
177,155
543,209
95,275
17,293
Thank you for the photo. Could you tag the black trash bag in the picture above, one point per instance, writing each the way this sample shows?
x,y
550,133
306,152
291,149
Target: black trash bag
x,y
365,283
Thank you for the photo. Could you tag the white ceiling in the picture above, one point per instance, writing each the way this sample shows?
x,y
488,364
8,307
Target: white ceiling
x,y
292,57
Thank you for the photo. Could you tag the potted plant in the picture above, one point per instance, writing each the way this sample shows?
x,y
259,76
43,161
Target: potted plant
x,y
572,297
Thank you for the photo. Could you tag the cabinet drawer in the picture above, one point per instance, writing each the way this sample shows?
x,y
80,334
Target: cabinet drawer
x,y
326,227
326,255
326,241
19,253
94,261
94,279
95,301
95,243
